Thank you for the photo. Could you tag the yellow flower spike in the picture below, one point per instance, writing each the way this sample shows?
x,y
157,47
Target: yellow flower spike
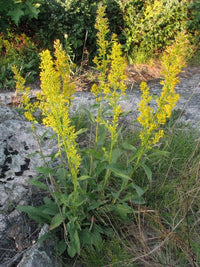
x,y
19,80
116,76
54,101
63,67
95,89
172,61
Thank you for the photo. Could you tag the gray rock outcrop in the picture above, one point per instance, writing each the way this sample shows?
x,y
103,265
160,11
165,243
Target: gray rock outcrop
x,y
17,143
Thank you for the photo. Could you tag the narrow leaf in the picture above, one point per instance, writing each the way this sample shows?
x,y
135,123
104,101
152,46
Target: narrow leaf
x,y
135,155
83,130
128,146
122,210
84,177
119,172
147,171
89,115
62,246
44,170
56,221
39,184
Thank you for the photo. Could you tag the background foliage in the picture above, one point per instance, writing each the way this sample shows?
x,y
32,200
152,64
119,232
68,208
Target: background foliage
x,y
12,11
17,50
144,28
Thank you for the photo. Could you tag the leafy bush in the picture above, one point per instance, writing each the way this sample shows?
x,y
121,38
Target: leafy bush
x,y
12,11
80,22
94,186
74,20
150,26
49,25
20,51
194,20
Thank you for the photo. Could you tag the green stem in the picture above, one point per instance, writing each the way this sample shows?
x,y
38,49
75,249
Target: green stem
x,y
106,180
137,162
139,157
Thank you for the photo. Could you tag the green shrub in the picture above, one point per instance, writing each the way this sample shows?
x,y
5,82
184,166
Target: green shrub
x,y
17,50
193,23
150,26
80,22
48,26
12,11
74,19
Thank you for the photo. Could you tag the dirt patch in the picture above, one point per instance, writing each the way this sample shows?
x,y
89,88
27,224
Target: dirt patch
x,y
135,75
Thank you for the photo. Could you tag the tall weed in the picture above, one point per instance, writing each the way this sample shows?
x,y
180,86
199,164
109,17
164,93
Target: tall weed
x,y
94,186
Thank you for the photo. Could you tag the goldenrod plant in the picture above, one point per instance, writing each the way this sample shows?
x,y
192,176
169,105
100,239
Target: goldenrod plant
x,y
23,93
173,60
111,84
97,180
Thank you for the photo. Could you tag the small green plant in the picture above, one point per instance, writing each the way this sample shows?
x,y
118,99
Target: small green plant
x,y
94,187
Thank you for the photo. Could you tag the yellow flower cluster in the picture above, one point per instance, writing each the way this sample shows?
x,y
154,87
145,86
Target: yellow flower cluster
x,y
172,62
102,30
24,93
148,120
56,96
116,83
19,80
111,80
54,102
101,61
63,66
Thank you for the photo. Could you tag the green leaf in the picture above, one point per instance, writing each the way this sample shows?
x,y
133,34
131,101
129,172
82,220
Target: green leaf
x,y
101,135
16,14
89,115
119,172
91,237
128,146
138,189
74,246
61,174
100,167
83,130
135,155
62,246
83,177
94,205
39,184
157,153
116,154
44,170
50,207
94,153
35,213
138,200
147,171
31,10
122,210
44,135
125,113
56,221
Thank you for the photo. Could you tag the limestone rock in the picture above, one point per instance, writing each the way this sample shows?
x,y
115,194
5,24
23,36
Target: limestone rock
x,y
17,166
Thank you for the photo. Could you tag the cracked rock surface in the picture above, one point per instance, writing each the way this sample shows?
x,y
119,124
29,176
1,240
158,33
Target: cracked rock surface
x,y
17,143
